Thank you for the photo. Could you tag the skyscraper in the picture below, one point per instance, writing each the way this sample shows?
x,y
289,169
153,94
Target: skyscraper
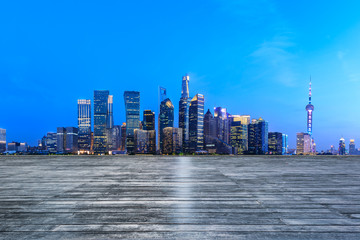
x,y
51,142
342,147
239,134
303,144
285,144
184,104
110,124
275,143
100,120
209,132
2,140
258,137
196,123
222,124
71,140
132,110
148,120
84,125
61,139
110,118
166,118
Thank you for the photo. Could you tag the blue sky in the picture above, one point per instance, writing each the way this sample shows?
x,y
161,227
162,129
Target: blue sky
x,y
252,57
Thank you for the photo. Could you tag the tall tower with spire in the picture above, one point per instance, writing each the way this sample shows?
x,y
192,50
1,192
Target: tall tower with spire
x,y
309,108
184,105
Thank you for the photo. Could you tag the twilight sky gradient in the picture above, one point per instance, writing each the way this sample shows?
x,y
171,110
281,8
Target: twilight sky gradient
x,y
252,57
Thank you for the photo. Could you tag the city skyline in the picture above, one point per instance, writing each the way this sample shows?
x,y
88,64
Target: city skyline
x,y
251,58
221,133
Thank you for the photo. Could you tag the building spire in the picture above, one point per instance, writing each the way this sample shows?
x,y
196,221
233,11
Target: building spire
x,y
310,91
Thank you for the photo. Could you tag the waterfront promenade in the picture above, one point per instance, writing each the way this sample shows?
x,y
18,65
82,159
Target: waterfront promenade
x,y
180,197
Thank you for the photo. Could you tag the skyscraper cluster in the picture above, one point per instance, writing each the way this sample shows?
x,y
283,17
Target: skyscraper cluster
x,y
197,133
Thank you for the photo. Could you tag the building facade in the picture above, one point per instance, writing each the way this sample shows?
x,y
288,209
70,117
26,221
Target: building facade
x,y
145,141
303,144
172,140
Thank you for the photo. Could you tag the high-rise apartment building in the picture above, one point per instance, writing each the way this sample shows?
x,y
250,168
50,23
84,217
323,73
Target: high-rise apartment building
x,y
84,125
100,120
196,124
132,110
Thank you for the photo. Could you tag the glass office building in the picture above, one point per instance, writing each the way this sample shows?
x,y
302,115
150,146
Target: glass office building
x,y
100,120
148,120
184,105
2,140
84,125
132,111
258,137
166,118
196,123
275,143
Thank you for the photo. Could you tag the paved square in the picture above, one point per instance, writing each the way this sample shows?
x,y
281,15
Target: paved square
x,y
222,197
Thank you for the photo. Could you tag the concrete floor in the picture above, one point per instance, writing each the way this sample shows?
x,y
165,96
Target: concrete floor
x,y
223,197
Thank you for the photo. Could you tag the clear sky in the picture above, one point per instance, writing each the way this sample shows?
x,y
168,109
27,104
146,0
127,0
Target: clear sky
x,y
252,57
